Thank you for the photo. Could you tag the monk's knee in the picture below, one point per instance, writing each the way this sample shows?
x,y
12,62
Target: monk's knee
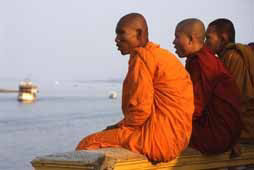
x,y
86,142
81,145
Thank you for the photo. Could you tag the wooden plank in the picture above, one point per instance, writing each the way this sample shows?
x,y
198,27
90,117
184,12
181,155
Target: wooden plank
x,y
192,160
122,159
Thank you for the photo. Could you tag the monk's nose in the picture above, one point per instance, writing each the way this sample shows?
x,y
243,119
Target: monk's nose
x,y
174,42
117,39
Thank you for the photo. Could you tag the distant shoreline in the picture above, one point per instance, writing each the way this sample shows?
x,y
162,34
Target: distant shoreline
x,y
8,91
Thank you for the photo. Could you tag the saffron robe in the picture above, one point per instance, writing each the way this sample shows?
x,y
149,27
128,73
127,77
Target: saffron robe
x,y
157,103
216,119
239,60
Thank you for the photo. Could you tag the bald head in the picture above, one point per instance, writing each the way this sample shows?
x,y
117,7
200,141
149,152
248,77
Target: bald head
x,y
192,28
189,37
135,21
131,33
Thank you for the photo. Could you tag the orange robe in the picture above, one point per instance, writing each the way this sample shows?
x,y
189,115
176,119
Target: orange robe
x,y
157,104
216,120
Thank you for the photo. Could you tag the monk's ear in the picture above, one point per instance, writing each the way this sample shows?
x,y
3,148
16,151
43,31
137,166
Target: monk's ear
x,y
139,34
224,37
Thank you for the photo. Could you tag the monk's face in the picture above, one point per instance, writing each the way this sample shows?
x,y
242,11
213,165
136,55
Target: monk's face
x,y
126,38
182,44
213,40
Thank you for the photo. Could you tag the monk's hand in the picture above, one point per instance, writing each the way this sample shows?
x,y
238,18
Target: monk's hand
x,y
111,127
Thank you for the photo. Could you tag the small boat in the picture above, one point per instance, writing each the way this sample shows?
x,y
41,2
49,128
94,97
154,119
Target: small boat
x,y
27,91
113,95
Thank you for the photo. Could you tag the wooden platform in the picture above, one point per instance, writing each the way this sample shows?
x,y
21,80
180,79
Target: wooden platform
x,y
122,159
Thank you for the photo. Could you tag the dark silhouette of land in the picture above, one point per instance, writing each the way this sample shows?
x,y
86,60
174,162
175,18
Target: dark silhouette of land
x,y
8,91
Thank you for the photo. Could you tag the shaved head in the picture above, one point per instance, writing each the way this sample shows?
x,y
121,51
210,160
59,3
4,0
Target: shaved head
x,y
192,27
131,33
189,37
224,26
135,21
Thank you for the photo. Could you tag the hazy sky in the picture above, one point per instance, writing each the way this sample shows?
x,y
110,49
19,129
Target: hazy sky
x,y
74,39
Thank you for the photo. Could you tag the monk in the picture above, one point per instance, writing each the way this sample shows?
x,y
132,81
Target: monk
x,y
216,119
157,99
239,60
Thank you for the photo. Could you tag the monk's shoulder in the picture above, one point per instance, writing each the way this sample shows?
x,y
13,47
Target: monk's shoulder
x,y
169,65
231,55
164,56
164,52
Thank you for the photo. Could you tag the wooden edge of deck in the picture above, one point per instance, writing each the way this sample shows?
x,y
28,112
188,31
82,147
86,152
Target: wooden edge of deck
x,y
122,159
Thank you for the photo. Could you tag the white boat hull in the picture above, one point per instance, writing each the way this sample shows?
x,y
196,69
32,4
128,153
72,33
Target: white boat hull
x,y
29,97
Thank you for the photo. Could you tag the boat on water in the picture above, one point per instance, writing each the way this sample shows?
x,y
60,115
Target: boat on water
x,y
27,91
113,95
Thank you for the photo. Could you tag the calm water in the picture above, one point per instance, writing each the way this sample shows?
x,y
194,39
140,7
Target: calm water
x,y
63,114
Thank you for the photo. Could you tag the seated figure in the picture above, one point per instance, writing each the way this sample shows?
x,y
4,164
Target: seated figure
x,y
239,60
157,98
216,119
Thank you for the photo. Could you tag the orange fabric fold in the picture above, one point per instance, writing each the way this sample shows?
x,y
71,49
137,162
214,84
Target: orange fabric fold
x,y
157,104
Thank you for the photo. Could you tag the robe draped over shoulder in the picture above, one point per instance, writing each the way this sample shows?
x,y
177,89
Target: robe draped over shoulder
x,y
216,120
239,60
157,104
